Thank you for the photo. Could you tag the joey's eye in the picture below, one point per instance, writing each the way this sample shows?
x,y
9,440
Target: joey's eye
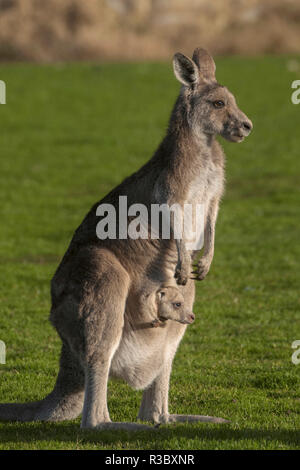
x,y
219,104
177,304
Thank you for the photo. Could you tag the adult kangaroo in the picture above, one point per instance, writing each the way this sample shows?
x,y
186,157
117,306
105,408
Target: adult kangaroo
x,y
99,288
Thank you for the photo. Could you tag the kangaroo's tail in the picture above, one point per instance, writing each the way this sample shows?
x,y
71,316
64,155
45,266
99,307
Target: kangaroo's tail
x,y
20,411
51,408
64,402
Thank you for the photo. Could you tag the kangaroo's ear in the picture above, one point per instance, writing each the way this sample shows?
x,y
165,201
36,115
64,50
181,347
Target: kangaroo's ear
x,y
205,63
185,69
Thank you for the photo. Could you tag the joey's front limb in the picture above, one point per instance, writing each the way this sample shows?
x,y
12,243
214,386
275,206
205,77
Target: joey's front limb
x,y
158,323
183,267
203,265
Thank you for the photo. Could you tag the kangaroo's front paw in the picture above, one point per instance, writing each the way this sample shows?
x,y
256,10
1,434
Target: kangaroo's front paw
x,y
201,269
182,272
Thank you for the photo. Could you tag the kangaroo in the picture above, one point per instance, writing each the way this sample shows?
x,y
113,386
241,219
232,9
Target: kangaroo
x,y
97,303
168,304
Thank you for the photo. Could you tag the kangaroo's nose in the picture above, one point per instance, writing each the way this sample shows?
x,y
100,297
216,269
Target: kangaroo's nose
x,y
247,127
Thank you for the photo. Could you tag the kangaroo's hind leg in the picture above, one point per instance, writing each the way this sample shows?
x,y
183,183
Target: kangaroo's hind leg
x,y
93,327
65,402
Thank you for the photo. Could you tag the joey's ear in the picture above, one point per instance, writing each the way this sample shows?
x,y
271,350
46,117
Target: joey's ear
x,y
205,63
185,69
161,293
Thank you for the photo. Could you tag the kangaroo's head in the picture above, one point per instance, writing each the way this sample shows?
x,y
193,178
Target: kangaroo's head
x,y
211,108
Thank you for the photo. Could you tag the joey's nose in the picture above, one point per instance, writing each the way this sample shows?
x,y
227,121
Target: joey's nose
x,y
191,317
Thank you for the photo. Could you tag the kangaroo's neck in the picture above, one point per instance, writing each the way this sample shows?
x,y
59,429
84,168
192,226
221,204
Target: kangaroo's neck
x,y
181,146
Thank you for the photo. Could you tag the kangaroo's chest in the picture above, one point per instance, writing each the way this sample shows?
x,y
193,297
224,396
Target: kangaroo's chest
x,y
205,185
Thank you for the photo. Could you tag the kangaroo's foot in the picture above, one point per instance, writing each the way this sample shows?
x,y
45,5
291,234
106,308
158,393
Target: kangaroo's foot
x,y
125,426
154,406
173,418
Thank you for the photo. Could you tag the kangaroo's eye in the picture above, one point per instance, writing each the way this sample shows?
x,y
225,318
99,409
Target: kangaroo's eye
x,y
177,304
219,104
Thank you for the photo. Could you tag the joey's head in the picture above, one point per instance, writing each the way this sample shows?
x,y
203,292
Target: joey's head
x,y
170,303
211,108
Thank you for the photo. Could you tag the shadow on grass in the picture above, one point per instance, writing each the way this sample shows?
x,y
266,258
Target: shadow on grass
x,y
153,439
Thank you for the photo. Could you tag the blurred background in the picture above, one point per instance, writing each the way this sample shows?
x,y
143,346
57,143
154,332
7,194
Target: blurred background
x,y
71,30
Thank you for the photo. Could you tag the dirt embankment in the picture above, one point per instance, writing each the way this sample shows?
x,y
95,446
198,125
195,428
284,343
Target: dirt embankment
x,y
58,30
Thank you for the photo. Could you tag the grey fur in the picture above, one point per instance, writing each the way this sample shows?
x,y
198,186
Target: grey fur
x,y
98,291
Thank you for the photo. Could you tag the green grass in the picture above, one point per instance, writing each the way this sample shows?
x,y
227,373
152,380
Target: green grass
x,y
68,135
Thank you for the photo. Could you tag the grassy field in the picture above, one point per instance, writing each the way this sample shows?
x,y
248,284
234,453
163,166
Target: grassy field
x,y
68,135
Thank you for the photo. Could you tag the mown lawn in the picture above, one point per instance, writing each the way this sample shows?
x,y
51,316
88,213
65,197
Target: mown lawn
x,y
68,134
